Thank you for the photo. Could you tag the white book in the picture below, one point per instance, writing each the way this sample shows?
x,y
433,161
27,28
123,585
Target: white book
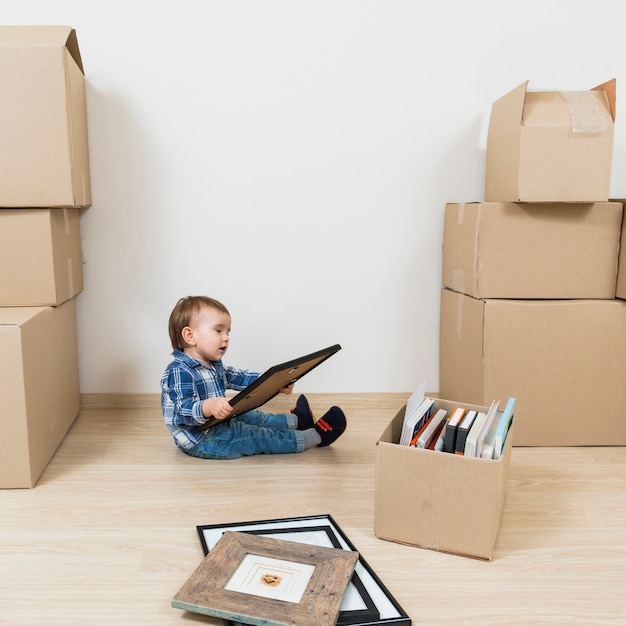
x,y
439,444
412,404
425,439
472,437
487,451
482,435
489,442
502,429
414,422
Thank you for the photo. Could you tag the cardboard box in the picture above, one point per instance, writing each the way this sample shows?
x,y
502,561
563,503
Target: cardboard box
x,y
40,256
520,250
551,146
44,160
437,500
620,290
39,388
562,360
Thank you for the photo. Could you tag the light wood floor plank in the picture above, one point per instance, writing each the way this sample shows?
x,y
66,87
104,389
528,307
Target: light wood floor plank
x,y
108,535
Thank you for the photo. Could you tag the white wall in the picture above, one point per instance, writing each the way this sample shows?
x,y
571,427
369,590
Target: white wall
x,y
293,159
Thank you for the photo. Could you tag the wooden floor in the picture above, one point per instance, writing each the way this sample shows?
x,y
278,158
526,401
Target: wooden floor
x,y
108,535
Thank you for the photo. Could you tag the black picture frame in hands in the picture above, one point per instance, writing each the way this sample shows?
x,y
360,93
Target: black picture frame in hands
x,y
269,384
375,604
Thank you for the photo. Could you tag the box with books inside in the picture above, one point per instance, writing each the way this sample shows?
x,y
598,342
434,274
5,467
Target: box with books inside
x,y
461,463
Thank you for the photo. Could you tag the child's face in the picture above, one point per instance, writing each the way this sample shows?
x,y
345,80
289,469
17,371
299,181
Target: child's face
x,y
207,335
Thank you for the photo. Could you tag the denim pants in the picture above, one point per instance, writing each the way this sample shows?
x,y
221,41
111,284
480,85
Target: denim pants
x,y
253,432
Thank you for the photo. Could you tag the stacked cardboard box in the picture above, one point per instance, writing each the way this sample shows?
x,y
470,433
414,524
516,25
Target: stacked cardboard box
x,y
44,181
528,304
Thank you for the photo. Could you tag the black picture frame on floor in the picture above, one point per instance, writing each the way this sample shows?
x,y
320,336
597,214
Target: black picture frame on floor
x,y
374,605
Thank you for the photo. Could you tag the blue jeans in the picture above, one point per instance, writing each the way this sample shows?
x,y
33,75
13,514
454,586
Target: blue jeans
x,y
253,432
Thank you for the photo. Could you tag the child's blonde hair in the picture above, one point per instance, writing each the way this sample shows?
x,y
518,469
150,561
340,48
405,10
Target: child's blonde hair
x,y
184,311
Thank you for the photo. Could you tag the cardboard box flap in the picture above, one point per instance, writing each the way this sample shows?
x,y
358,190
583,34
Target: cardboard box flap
x,y
42,36
577,111
508,110
610,89
19,315
585,111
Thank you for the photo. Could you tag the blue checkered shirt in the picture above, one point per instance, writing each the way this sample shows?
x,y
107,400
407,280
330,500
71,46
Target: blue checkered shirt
x,y
185,384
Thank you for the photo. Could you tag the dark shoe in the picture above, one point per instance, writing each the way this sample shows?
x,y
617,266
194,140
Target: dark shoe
x,y
303,412
331,426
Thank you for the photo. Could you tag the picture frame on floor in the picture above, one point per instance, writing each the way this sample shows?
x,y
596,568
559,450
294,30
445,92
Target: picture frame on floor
x,y
367,602
268,582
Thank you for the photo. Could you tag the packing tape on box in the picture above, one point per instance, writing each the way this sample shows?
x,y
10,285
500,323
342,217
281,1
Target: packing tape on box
x,y
459,314
70,276
458,281
460,214
588,114
66,218
458,276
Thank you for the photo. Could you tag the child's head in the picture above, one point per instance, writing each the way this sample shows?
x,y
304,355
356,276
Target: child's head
x,y
184,314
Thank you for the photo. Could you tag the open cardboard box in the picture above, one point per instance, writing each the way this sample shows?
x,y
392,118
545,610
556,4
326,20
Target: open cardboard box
x,y
40,256
551,146
39,387
44,160
437,500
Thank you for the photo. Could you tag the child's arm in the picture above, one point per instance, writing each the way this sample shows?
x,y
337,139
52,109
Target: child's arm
x,y
219,408
239,379
188,404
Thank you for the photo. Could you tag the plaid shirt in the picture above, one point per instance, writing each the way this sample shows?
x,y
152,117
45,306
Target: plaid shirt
x,y
185,384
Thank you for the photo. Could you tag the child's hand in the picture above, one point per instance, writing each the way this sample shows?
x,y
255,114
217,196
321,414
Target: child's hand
x,y
219,408
287,389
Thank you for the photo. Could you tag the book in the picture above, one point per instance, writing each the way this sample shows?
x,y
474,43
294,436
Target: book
x,y
463,430
423,418
417,433
452,425
504,423
412,404
430,430
472,435
490,438
414,421
437,436
482,434
438,445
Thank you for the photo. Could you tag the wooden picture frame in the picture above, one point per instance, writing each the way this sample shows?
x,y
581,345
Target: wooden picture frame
x,y
378,606
357,605
236,581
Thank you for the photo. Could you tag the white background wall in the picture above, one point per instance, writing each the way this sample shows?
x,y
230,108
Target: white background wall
x,y
293,159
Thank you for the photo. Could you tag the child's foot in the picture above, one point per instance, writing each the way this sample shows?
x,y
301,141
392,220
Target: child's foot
x,y
330,426
303,412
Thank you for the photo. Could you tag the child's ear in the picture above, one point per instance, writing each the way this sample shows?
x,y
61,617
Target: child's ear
x,y
188,336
